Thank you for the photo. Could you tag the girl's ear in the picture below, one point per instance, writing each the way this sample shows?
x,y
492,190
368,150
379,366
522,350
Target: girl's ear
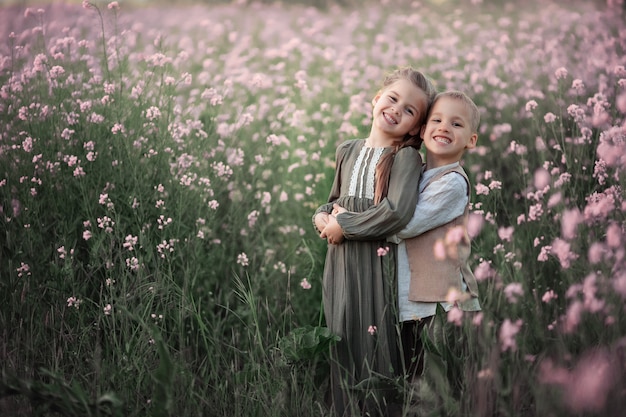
x,y
416,130
422,130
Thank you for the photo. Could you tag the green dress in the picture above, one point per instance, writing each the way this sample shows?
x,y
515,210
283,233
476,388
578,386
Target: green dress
x,y
359,282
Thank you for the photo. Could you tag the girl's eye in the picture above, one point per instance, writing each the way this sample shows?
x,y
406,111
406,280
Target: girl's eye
x,y
409,111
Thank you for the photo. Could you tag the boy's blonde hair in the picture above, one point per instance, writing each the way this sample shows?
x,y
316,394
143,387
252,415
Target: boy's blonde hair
x,y
474,113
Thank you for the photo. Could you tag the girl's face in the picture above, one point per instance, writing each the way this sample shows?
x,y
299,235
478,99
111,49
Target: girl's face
x,y
398,109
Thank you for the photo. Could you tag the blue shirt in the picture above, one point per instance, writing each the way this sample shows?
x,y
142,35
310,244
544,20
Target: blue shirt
x,y
443,201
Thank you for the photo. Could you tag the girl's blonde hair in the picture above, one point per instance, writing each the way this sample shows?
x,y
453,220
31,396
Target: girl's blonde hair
x,y
383,169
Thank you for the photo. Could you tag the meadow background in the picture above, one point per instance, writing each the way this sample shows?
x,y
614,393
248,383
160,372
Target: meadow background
x,y
159,166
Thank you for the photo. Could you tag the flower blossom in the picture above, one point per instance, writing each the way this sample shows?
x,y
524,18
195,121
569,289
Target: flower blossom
x,y
74,302
531,105
508,331
549,117
242,259
560,73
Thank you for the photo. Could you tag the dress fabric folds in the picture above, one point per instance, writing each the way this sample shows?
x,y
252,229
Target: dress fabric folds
x,y
359,277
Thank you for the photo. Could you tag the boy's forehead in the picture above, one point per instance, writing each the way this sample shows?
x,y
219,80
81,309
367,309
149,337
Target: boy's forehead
x,y
451,105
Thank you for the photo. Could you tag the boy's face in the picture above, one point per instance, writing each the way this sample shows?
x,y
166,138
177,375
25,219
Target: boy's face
x,y
447,132
397,109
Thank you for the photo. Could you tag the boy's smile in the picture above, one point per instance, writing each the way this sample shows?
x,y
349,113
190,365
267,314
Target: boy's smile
x,y
447,132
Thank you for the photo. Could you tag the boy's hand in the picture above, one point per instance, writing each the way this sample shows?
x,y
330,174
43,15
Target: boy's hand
x,y
333,231
338,209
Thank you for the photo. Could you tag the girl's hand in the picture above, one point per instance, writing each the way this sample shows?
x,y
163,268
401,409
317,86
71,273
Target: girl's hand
x,y
321,220
333,231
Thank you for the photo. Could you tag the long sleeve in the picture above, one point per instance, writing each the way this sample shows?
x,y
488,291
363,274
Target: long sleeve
x,y
395,210
335,190
441,202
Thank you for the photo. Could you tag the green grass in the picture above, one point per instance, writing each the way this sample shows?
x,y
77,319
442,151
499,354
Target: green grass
x,y
204,138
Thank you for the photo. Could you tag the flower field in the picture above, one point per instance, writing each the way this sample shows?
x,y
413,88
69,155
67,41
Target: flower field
x,y
159,167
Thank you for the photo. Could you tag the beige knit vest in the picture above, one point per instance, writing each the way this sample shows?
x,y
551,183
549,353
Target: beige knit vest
x,y
439,257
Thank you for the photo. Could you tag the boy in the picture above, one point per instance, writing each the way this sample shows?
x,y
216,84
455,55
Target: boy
x,y
433,258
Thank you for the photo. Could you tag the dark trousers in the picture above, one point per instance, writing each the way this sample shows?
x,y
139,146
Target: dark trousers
x,y
412,346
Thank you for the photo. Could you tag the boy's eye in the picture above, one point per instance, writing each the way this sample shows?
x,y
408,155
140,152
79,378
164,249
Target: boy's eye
x,y
409,111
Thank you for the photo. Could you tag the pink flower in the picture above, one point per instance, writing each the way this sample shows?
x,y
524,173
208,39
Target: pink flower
x,y
508,331
587,386
599,205
78,172
382,251
578,85
455,315
306,285
541,178
569,222
153,113
439,250
24,269
484,271
74,302
114,5
455,235
619,284
478,319
549,296
562,250
596,252
454,296
506,233
590,382
107,309
475,224
560,73
118,128
614,236
242,259
549,117
86,235
535,212
252,218
573,316
513,291
531,105
372,330
481,189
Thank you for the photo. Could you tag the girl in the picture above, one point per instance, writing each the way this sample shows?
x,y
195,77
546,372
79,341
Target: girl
x,y
373,196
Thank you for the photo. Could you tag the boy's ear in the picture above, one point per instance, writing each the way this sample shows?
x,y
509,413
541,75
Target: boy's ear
x,y
471,143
